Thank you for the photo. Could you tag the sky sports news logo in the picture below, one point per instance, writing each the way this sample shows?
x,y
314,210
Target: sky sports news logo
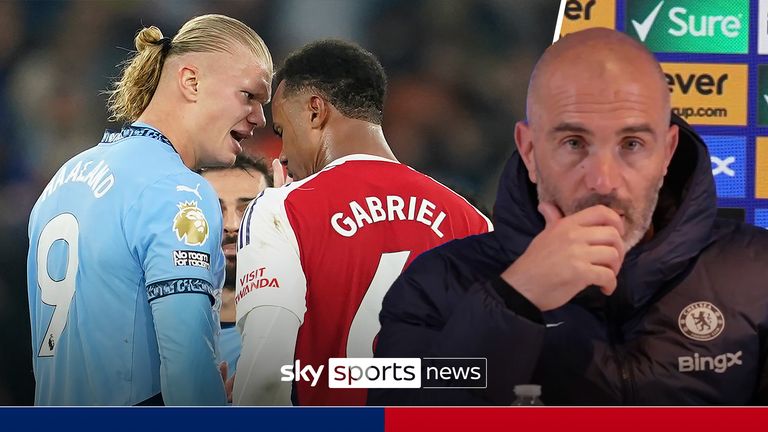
x,y
698,26
443,372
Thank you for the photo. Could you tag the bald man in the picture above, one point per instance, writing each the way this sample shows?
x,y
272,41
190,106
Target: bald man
x,y
609,279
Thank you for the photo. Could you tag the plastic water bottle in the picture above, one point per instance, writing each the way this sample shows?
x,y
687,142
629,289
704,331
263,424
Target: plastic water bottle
x,y
527,395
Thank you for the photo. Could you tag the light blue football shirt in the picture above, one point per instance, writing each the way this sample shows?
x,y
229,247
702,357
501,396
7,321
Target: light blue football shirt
x,y
125,251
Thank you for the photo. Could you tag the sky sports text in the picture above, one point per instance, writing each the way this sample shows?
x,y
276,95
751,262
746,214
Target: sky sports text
x,y
442,372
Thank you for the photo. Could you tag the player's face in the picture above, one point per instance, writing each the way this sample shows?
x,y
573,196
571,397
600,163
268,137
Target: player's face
x,y
236,188
301,143
233,87
591,143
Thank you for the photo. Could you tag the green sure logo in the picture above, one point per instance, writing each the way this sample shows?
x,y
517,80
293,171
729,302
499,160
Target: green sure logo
x,y
711,26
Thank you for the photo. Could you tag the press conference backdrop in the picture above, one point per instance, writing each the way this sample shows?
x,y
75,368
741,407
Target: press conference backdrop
x,y
715,58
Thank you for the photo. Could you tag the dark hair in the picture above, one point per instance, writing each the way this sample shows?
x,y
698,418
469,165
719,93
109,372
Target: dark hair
x,y
344,74
245,163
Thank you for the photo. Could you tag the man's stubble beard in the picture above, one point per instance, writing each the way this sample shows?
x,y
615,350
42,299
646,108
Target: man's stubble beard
x,y
230,276
636,223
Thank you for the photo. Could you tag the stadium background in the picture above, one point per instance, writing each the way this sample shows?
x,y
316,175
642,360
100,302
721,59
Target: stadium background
x,y
458,72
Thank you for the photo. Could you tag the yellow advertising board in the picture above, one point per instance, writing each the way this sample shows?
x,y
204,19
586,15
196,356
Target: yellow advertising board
x,y
708,93
582,14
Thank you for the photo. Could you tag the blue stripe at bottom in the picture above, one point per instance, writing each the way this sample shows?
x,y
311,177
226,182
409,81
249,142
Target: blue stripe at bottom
x,y
136,419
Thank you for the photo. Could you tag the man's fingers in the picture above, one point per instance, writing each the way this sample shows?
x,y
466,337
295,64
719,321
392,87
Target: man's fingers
x,y
605,256
603,236
278,178
229,387
599,215
600,235
550,212
604,278
224,371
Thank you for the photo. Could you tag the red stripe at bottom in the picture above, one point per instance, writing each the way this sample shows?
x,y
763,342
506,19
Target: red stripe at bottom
x,y
540,419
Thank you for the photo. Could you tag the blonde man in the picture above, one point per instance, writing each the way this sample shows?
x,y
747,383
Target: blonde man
x,y
125,266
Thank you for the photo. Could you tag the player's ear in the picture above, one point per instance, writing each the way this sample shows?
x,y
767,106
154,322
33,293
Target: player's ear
x,y
524,140
188,77
670,145
318,112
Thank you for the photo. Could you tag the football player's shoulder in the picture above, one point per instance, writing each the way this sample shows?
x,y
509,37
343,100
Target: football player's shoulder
x,y
195,179
268,208
144,160
87,167
418,180
183,192
438,187
458,201
186,185
272,200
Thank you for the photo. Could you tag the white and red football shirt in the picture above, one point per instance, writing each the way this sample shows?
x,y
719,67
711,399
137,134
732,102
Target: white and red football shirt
x,y
327,248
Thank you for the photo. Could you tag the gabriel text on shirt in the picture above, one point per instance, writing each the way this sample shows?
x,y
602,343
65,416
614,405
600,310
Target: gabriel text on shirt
x,y
391,208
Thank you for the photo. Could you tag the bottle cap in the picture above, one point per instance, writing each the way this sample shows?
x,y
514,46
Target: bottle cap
x,y
528,390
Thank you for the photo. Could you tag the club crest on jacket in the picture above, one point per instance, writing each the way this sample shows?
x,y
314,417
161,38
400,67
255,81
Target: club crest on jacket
x,y
701,321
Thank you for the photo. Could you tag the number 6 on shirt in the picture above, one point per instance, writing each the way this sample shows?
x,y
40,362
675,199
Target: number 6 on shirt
x,y
365,326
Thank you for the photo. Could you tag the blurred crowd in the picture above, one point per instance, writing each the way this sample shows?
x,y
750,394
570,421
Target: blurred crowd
x,y
458,71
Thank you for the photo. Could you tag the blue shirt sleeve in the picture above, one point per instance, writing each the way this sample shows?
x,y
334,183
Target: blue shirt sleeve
x,y
174,229
185,331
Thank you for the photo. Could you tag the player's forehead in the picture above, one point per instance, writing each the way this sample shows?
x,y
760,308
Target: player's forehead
x,y
278,101
239,53
237,63
279,96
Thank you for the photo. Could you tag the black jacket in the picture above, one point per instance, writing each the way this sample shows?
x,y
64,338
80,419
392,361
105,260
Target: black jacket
x,y
700,275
